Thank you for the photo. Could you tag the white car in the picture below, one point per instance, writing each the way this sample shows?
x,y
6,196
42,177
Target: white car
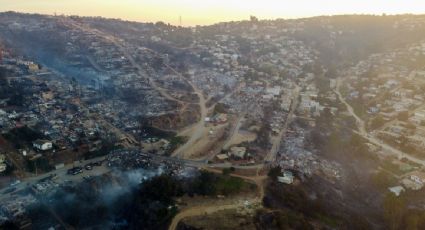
x,y
15,183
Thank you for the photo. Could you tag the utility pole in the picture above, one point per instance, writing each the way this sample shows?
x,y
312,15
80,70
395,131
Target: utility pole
x,y
36,170
74,158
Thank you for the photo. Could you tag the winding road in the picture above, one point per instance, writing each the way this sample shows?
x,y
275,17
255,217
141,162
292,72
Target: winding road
x,y
196,130
372,139
220,206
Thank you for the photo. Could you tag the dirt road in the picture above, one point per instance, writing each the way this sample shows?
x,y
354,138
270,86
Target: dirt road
x,y
276,141
196,131
359,122
234,131
208,209
372,139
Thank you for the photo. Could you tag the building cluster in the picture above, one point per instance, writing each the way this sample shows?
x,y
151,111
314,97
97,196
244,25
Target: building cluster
x,y
46,113
387,90
15,209
413,179
295,156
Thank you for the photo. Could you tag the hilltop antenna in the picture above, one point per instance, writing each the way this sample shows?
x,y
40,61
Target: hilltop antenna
x,y
180,20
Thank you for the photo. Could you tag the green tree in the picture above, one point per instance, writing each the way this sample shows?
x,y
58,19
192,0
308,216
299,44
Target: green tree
x,y
382,180
412,222
220,108
226,171
394,209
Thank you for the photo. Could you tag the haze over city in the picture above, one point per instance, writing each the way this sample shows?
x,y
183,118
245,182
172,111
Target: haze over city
x,y
195,12
191,114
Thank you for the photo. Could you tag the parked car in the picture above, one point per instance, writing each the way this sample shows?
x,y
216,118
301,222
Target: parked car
x,y
16,182
97,163
89,166
75,171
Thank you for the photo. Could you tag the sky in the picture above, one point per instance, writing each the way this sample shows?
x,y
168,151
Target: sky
x,y
203,12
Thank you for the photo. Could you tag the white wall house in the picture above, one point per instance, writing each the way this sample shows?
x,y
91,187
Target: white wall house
x,y
43,145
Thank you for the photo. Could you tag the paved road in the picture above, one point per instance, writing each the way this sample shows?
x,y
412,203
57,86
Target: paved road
x,y
61,176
